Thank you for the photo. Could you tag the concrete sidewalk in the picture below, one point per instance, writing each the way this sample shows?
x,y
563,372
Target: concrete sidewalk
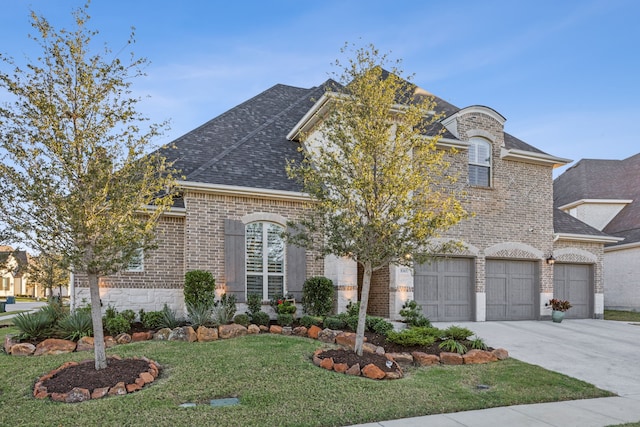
x,y
600,352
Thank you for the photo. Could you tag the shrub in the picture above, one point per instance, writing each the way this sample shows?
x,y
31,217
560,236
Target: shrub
x,y
76,325
152,319
334,322
352,322
261,318
33,325
199,287
457,333
412,314
200,314
168,318
453,346
353,308
241,319
130,315
110,312
379,325
286,307
317,296
254,304
285,319
117,325
477,343
308,321
225,309
277,300
411,337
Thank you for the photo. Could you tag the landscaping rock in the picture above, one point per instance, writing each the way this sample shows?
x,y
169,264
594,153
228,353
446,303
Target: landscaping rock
x,y
253,329
327,363
133,387
110,341
300,331
287,330
54,346
141,336
354,370
78,394
99,393
478,357
425,359
447,358
372,348
190,334
178,334
395,375
403,358
205,334
347,339
85,344
118,390
231,331
146,377
341,368
162,334
9,342
328,335
314,331
275,329
501,353
59,397
23,349
264,328
123,338
373,372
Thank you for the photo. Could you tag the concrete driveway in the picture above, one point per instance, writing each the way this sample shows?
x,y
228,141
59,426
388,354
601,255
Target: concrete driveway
x,y
601,352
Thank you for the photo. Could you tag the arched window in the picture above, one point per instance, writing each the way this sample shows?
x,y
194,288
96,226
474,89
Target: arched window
x,y
265,255
479,162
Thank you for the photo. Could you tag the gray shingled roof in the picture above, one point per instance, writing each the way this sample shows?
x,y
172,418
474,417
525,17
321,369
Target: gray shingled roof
x,y
605,179
565,223
247,145
20,256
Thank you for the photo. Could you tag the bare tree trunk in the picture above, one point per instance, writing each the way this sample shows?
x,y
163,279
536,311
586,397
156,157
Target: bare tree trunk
x,y
96,318
364,301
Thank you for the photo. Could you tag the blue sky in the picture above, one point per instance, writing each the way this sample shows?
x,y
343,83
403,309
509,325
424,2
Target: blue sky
x,y
564,73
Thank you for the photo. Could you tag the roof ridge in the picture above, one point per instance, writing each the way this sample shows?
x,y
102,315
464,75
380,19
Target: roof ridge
x,y
242,140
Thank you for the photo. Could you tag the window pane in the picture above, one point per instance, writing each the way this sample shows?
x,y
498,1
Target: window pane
x,y
137,261
275,247
254,285
479,175
254,247
275,286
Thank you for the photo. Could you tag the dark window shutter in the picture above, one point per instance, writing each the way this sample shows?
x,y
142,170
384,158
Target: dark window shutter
x,y
296,270
234,254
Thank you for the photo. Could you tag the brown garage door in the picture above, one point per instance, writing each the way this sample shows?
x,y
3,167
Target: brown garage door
x,y
444,289
511,290
572,282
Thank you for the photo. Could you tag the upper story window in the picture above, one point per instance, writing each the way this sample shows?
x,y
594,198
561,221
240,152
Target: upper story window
x,y
265,259
479,162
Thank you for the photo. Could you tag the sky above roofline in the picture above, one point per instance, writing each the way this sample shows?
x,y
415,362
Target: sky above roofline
x,y
562,73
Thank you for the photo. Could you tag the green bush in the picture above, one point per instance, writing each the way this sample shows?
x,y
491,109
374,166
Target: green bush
x,y
457,333
285,319
151,319
76,325
130,315
334,322
453,346
241,319
109,313
254,304
412,314
169,319
411,337
353,309
117,325
33,325
261,318
308,321
200,314
317,296
199,287
352,322
277,299
477,343
225,309
379,325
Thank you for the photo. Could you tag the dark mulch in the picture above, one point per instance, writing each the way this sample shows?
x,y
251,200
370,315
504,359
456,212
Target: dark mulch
x,y
84,375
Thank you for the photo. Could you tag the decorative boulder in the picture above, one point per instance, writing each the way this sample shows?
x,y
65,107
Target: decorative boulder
x,y
55,346
327,335
162,334
425,359
9,342
354,370
478,356
253,329
275,329
110,341
403,358
190,334
141,336
373,372
123,338
501,353
313,332
231,331
347,339
327,363
450,358
178,334
85,344
205,334
78,394
23,349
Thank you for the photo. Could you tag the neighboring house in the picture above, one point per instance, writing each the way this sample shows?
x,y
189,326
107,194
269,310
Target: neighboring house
x,y
14,279
606,195
236,200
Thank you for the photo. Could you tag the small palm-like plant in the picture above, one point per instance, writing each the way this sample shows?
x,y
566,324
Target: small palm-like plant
x,y
33,326
76,325
453,346
200,313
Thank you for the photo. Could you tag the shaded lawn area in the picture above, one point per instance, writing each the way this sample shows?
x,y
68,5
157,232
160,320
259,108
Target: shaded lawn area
x,y
625,316
277,385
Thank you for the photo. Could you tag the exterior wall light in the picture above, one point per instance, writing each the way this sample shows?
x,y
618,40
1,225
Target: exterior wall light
x,y
551,260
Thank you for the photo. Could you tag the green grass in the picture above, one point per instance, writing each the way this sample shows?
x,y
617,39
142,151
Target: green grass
x,y
7,313
277,386
626,316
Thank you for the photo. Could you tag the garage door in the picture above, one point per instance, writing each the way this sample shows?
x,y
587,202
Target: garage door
x,y
511,290
572,282
444,288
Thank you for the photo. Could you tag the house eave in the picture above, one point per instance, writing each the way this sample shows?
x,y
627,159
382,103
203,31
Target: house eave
x,y
594,202
234,190
533,158
447,143
622,247
309,120
586,238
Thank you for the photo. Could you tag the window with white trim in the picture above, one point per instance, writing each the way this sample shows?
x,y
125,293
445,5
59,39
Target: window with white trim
x,y
264,257
136,263
6,283
479,162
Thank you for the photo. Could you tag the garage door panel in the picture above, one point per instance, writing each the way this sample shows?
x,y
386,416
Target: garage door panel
x,y
510,289
573,282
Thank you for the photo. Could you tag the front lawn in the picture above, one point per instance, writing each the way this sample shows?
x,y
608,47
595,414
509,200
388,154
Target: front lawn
x,y
625,316
277,385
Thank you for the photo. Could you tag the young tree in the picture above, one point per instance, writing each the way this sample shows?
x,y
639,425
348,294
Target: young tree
x,y
380,188
75,177
49,271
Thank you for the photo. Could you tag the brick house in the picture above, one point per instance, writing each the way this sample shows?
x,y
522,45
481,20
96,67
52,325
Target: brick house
x,y
236,198
606,195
